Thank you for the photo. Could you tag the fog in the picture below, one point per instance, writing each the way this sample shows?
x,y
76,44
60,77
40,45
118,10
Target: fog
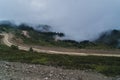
x,y
78,19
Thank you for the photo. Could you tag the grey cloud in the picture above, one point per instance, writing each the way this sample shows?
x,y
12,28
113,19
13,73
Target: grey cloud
x,y
79,19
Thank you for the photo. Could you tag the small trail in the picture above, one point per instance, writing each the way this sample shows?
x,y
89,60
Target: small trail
x,y
7,38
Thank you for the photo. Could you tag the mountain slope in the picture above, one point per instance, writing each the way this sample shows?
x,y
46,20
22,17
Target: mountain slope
x,y
26,34
110,38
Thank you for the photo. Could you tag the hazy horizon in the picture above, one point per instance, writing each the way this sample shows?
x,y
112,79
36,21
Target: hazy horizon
x,y
78,19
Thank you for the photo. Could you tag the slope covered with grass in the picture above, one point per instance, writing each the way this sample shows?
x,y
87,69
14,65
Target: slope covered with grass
x,y
44,37
106,65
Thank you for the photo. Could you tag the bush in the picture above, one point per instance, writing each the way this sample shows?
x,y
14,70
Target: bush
x,y
31,49
14,47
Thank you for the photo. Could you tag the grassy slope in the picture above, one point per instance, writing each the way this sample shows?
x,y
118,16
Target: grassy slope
x,y
107,65
47,39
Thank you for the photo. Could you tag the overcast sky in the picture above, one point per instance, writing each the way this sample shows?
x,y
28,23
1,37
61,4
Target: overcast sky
x,y
79,19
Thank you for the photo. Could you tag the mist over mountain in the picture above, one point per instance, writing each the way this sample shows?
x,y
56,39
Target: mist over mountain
x,y
111,38
78,19
42,34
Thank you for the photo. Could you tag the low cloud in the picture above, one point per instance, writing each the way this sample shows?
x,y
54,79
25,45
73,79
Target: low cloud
x,y
78,19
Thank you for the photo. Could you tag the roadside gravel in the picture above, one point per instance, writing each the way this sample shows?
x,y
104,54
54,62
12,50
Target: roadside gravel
x,y
23,71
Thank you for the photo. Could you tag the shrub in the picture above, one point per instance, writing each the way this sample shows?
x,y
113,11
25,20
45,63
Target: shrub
x,y
14,47
31,49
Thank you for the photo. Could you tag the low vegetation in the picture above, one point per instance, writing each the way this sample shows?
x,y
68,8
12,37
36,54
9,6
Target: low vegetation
x,y
14,47
109,66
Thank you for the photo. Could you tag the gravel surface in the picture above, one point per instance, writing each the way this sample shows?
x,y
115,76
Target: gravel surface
x,y
23,71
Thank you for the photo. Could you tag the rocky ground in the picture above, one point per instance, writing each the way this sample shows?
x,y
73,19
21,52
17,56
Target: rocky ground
x,y
23,71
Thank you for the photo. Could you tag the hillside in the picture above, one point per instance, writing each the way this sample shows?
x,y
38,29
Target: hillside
x,y
25,34
109,66
110,38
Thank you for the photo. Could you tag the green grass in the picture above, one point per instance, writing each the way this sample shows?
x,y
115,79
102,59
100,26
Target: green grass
x,y
109,66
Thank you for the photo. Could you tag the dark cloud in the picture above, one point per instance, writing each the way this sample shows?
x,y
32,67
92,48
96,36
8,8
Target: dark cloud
x,y
79,19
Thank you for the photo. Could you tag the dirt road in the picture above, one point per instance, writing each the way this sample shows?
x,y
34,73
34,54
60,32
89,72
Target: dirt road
x,y
7,38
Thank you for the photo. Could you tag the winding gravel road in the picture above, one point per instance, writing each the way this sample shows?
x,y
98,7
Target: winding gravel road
x,y
8,37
